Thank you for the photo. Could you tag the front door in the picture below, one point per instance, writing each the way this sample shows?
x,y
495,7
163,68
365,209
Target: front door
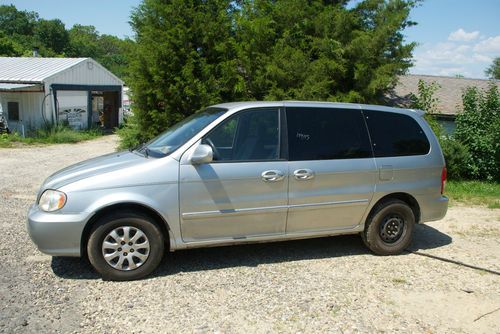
x,y
243,192
332,172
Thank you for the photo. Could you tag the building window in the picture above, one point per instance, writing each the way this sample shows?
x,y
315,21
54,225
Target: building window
x,y
13,111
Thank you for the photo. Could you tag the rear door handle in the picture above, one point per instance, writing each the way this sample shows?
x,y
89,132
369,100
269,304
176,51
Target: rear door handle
x,y
272,175
303,174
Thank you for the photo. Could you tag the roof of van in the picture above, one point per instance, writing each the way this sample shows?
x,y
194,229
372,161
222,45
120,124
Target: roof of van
x,y
257,104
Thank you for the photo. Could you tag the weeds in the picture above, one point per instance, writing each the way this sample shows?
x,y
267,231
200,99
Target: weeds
x,y
474,192
49,135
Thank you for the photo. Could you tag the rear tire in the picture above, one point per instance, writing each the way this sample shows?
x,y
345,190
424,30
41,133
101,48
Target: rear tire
x,y
388,230
125,246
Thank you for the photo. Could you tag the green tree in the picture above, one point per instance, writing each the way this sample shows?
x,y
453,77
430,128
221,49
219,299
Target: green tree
x,y
109,51
493,71
52,35
83,41
455,153
426,100
15,22
193,53
478,128
18,27
184,60
21,31
322,50
8,47
112,53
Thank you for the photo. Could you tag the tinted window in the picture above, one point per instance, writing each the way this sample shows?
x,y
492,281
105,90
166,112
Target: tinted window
x,y
13,111
395,135
246,136
321,134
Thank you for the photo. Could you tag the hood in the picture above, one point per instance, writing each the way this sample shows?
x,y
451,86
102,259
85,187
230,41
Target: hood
x,y
100,165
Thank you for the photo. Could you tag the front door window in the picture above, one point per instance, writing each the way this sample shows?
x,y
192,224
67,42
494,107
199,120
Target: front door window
x,y
248,136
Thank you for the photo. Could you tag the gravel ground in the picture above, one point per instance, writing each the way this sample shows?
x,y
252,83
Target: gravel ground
x,y
317,285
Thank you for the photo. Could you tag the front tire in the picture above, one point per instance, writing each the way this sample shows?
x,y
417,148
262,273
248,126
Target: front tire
x,y
125,246
388,231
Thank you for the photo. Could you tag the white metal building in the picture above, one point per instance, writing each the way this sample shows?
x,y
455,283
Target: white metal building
x,y
77,91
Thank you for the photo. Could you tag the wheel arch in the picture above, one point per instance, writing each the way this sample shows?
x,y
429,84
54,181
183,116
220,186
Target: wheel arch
x,y
130,206
405,197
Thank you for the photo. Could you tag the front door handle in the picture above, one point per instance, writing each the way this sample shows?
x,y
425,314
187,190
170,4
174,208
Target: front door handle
x,y
303,174
272,175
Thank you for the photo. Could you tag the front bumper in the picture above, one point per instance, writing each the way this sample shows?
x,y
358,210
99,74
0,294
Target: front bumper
x,y
56,234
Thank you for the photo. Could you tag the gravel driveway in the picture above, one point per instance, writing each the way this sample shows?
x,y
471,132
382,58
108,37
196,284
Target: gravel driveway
x,y
319,285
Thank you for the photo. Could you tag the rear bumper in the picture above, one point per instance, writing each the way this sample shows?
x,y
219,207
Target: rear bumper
x,y
55,233
432,209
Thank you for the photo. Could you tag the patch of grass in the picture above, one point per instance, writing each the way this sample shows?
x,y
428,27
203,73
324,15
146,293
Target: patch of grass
x,y
474,192
398,280
334,309
49,135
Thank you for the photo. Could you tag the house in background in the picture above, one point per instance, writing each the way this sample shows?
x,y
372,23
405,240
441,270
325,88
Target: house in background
x,y
75,91
449,94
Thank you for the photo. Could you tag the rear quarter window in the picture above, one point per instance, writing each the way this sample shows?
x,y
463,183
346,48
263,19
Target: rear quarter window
x,y
395,135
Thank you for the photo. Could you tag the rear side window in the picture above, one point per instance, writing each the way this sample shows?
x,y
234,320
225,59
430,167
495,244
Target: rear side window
x,y
326,133
395,135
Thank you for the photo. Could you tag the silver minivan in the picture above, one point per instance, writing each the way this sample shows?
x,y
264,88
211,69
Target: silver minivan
x,y
247,172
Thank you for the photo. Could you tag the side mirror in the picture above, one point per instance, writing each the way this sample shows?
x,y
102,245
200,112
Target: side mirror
x,y
202,154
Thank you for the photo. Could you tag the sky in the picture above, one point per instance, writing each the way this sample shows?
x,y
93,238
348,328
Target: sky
x,y
455,37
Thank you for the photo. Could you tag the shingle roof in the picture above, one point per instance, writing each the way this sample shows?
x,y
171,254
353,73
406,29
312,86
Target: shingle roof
x,y
33,70
449,94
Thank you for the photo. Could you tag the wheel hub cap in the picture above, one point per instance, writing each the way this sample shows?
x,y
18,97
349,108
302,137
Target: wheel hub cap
x,y
125,248
392,228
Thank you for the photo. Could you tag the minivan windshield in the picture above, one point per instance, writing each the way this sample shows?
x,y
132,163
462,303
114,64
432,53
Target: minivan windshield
x,y
178,134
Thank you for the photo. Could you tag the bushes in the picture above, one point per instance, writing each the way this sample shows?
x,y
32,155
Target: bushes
x,y
63,134
478,128
473,152
456,156
130,135
425,100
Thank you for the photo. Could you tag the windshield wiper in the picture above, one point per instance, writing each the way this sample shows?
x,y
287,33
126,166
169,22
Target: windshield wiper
x,y
140,149
137,147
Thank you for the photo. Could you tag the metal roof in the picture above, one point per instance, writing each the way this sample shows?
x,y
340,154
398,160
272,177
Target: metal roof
x,y
33,70
14,86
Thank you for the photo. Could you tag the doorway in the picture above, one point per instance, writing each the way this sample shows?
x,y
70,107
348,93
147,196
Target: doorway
x,y
105,109
103,103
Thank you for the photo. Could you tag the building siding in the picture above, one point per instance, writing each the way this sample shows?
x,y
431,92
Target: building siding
x,y
46,72
84,74
30,108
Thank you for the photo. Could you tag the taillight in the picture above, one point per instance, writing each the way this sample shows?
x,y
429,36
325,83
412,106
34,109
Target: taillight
x,y
443,179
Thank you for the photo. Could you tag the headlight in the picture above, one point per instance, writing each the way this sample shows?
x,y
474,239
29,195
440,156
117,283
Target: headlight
x,y
52,200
